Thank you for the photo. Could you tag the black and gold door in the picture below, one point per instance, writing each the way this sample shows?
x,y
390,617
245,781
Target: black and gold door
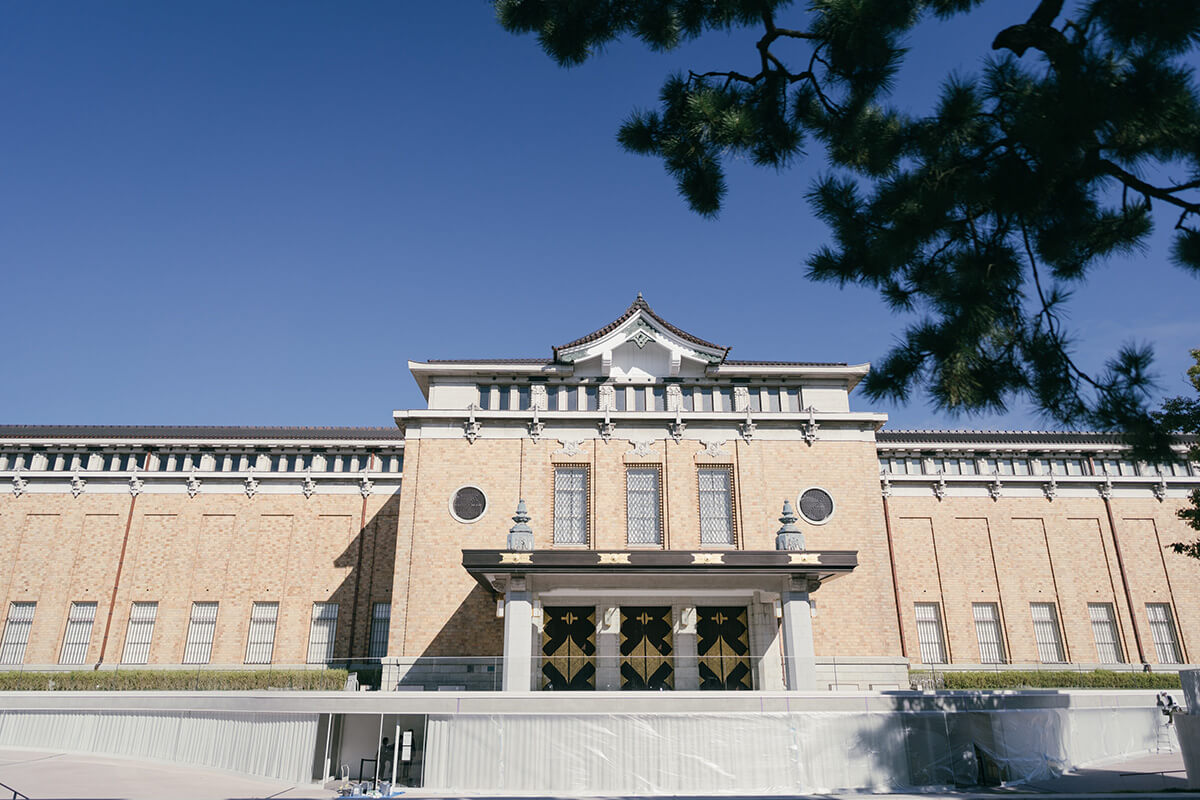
x,y
723,645
646,648
568,647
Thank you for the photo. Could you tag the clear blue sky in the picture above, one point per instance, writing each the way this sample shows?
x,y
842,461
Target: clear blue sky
x,y
254,213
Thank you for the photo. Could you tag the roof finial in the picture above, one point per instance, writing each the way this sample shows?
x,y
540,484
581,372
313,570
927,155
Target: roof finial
x,y
639,299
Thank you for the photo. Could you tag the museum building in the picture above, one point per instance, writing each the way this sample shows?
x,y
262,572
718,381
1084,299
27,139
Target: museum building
x,y
637,510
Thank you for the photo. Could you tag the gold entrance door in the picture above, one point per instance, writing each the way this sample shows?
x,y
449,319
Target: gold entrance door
x,y
646,648
568,647
723,645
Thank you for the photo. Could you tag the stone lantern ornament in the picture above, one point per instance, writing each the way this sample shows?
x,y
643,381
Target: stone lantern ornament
x,y
520,535
789,537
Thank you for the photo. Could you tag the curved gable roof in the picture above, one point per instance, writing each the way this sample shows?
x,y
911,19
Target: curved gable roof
x,y
639,305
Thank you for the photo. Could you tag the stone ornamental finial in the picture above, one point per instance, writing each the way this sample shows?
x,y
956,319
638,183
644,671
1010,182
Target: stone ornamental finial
x,y
520,536
789,537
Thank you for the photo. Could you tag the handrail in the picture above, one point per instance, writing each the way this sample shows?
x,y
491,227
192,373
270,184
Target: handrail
x,y
15,794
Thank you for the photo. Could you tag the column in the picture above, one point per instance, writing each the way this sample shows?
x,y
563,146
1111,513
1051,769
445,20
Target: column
x,y
518,637
687,661
765,652
608,648
799,656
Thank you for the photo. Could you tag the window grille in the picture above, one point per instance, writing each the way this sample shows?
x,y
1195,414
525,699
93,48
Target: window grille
x,y
381,618
16,632
1162,628
929,633
1104,631
716,506
989,633
1045,631
260,641
323,633
140,633
570,505
643,522
201,628
79,633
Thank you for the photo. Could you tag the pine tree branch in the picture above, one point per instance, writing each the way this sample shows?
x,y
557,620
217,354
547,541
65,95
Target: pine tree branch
x,y
1149,190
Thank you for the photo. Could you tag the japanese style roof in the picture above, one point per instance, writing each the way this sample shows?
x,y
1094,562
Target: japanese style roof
x,y
205,432
639,305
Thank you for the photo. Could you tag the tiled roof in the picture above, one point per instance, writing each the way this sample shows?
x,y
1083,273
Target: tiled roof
x,y
197,432
642,305
489,361
1004,437
736,363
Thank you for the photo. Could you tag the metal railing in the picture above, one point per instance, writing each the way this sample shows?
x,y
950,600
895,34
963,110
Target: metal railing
x,y
15,794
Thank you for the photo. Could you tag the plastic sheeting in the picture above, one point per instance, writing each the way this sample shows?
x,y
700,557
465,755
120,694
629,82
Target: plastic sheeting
x,y
271,745
772,753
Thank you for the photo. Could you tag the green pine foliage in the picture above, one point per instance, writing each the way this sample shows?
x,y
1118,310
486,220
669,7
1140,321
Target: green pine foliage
x,y
977,218
173,680
1052,679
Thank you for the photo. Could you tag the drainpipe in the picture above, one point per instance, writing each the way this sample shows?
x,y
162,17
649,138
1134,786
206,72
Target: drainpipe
x,y
362,535
112,602
887,524
1112,526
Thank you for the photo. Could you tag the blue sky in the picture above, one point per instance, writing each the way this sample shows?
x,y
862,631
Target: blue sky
x,y
254,213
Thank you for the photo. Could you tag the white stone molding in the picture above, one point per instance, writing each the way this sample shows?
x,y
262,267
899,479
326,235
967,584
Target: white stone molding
x,y
674,397
995,488
309,486
570,447
365,485
135,485
537,397
640,449
809,429
1160,488
471,427
193,484
606,363
715,449
939,488
608,397
747,428
536,426
1050,488
607,427
251,484
610,620
19,484
676,363
677,427
741,398
1105,488
78,484
885,483
685,622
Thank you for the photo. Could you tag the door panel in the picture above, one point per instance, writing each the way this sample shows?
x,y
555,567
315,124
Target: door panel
x,y
723,645
646,648
568,647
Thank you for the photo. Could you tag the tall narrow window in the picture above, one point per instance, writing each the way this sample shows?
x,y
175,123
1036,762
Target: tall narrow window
x,y
201,628
642,517
485,396
987,630
16,632
139,633
1162,628
716,505
570,505
260,641
323,633
1104,631
929,633
1045,631
381,618
79,633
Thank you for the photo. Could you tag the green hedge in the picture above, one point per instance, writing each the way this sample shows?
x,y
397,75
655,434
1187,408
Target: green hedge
x,y
1050,679
177,679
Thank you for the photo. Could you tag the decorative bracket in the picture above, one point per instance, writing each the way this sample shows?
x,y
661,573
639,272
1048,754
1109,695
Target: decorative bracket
x,y
885,483
251,484
809,429
309,486
1106,487
193,484
536,426
19,484
995,488
748,427
365,485
677,427
939,488
78,484
1160,488
135,485
1050,488
607,427
471,427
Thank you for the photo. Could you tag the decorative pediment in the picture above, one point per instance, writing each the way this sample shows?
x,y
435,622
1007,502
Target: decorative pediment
x,y
640,344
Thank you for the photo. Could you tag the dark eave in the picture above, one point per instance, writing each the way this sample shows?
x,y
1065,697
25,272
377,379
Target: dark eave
x,y
639,305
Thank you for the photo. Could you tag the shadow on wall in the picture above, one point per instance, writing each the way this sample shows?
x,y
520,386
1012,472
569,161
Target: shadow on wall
x,y
466,652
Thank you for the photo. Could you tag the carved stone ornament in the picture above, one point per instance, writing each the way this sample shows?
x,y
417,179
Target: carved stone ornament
x,y
309,486
642,337
520,535
19,484
608,397
193,484
808,430
537,397
251,484
1160,489
78,484
674,397
715,449
1105,488
789,537
471,427
365,485
677,427
640,449
607,428
135,485
939,488
741,398
1050,487
995,488
536,426
748,427
885,483
570,447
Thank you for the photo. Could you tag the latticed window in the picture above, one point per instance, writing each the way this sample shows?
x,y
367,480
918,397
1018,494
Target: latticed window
x,y
323,633
716,506
79,633
140,633
381,618
1162,628
570,505
1104,631
16,632
642,518
260,641
201,628
1045,631
989,633
929,633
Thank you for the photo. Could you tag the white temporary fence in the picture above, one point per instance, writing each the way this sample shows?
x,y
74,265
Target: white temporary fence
x,y
271,745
